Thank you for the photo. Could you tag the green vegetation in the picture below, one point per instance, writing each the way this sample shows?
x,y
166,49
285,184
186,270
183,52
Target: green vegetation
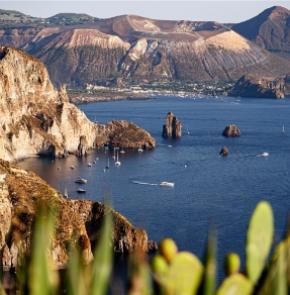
x,y
170,272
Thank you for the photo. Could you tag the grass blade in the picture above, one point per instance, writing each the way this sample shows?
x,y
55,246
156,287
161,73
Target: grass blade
x,y
103,258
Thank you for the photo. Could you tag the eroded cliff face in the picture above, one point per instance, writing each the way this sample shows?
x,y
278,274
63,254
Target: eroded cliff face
x,y
78,221
36,119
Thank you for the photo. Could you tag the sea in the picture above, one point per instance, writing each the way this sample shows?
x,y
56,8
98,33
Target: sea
x,y
210,191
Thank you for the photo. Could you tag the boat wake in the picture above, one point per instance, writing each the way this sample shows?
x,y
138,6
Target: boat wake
x,y
144,183
264,155
163,183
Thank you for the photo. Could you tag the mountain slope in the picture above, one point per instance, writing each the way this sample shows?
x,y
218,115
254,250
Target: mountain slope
x,y
270,29
132,48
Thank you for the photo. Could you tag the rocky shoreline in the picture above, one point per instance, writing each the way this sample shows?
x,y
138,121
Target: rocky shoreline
x,y
78,221
38,120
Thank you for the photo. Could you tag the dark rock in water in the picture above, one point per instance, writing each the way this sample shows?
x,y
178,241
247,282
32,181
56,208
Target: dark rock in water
x,y
224,151
172,127
260,87
232,131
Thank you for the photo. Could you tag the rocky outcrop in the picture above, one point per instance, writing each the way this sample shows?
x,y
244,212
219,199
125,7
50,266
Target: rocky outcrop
x,y
37,119
172,127
128,135
259,86
231,131
78,221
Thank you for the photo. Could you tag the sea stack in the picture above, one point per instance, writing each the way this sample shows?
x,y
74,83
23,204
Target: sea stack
x,y
231,131
172,127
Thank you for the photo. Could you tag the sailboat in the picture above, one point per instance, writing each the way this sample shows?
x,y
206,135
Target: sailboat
x,y
108,164
117,163
65,193
283,128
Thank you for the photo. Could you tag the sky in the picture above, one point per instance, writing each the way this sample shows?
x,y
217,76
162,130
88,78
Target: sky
x,y
221,11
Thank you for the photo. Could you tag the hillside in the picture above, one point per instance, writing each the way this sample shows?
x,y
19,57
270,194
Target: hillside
x,y
80,49
270,29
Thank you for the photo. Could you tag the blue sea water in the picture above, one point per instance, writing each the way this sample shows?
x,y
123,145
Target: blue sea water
x,y
209,190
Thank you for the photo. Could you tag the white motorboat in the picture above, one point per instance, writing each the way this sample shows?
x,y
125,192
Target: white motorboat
x,y
166,183
81,191
89,164
140,150
81,181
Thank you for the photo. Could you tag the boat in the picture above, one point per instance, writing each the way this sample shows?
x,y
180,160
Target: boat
x,y
166,183
140,150
283,128
65,193
89,164
81,181
122,152
117,163
108,164
81,191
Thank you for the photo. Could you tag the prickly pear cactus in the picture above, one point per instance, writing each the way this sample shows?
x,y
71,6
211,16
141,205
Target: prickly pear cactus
x,y
232,263
181,277
184,275
236,284
259,240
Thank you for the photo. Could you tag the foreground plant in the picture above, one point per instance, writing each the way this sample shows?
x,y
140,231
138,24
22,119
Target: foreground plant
x,y
171,272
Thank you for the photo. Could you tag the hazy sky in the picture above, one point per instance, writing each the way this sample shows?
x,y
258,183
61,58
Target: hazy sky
x,y
223,11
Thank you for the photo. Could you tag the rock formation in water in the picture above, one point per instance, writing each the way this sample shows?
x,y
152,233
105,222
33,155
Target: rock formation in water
x,y
224,151
231,131
133,48
260,87
78,221
36,119
172,127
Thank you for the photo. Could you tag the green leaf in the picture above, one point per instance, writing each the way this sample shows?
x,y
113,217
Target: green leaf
x,y
276,280
77,274
42,277
102,265
209,284
259,240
